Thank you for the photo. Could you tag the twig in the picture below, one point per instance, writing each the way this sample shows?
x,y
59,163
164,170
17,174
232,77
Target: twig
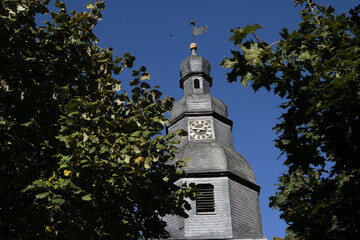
x,y
313,11
258,40
266,47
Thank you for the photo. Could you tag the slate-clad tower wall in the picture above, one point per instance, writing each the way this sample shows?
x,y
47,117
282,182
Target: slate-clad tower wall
x,y
228,205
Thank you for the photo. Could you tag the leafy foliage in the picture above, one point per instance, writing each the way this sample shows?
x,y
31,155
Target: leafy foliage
x,y
80,157
315,69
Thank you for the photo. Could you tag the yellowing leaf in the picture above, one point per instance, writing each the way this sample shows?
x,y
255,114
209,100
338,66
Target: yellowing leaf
x,y
85,137
48,229
117,87
51,178
90,6
138,160
145,76
136,149
20,8
118,101
147,165
155,158
67,172
126,158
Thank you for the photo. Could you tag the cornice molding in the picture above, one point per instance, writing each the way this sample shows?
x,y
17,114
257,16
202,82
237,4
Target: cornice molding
x,y
200,114
228,174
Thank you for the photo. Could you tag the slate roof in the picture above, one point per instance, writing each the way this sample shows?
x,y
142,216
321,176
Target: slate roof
x,y
194,64
198,103
214,157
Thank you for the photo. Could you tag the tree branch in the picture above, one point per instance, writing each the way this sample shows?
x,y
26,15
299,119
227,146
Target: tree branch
x,y
313,11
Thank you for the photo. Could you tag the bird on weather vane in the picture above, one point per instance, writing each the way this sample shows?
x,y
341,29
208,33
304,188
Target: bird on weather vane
x,y
195,30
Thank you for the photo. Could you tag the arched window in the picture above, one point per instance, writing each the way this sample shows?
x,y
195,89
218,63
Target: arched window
x,y
196,83
205,200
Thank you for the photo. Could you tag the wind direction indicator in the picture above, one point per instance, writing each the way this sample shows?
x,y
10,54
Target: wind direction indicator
x,y
197,30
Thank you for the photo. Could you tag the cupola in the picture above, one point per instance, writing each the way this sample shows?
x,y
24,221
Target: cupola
x,y
194,65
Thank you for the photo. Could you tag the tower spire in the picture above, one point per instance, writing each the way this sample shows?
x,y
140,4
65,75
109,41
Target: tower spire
x,y
195,67
227,206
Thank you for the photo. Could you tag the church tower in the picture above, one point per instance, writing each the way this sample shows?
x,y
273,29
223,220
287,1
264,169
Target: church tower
x,y
227,206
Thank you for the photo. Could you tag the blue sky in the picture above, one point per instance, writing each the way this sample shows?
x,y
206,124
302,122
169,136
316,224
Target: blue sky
x,y
143,28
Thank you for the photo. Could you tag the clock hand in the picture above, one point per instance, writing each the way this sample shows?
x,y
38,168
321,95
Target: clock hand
x,y
201,129
197,129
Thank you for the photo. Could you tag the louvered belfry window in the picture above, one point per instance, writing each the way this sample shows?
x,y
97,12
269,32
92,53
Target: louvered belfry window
x,y
205,201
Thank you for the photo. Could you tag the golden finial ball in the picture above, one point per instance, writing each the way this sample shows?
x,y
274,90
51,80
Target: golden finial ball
x,y
193,46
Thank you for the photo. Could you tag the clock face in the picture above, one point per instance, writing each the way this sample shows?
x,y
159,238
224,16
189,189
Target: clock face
x,y
200,129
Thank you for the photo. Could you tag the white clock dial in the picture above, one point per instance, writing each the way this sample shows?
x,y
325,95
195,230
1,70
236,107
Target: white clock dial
x,y
200,129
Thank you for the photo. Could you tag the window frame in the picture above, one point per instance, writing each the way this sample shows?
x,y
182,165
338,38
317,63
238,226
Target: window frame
x,y
196,83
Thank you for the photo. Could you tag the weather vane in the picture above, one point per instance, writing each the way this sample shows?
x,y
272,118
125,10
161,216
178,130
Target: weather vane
x,y
197,30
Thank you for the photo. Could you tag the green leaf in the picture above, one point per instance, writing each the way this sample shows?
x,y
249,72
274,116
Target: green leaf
x,y
240,33
86,197
60,17
315,70
100,5
156,94
39,183
229,63
245,79
71,106
27,124
59,200
69,128
42,195
253,54
136,134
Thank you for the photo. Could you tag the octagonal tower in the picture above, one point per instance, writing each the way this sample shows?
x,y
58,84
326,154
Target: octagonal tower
x,y
227,206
